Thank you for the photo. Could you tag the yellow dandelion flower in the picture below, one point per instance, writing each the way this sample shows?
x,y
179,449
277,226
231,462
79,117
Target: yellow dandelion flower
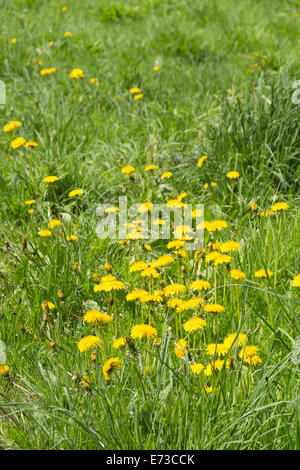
x,y
166,174
239,339
174,289
51,179
31,144
119,342
174,302
156,68
212,256
200,285
142,330
136,294
296,281
150,272
230,246
216,225
45,233
30,202
77,73
67,34
217,349
222,259
4,370
201,161
214,308
138,266
164,260
261,273
194,323
237,275
133,91
75,192
88,342
11,126
233,175
150,167
46,305
253,206
280,206
176,244
127,170
86,381
175,203
109,286
250,355
196,368
18,142
71,238
147,247
54,223
190,304
145,207
49,71
155,297
180,348
97,318
111,365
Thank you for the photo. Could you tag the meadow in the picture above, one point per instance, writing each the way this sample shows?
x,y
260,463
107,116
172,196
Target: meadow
x,y
136,343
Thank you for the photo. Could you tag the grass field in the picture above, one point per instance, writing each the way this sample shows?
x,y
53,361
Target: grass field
x,y
208,340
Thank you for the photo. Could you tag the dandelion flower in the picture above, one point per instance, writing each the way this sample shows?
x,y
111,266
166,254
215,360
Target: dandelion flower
x,y
296,281
193,324
150,167
164,260
86,381
142,330
46,305
173,289
71,238
180,348
97,318
280,206
230,246
136,294
54,223
67,34
133,91
45,233
138,266
30,202
49,71
196,368
75,192
77,73
239,339
233,175
150,272
261,273
222,259
112,365
119,343
237,275
51,179
214,308
88,342
201,161
4,370
200,285
18,142
250,355
127,170
176,244
166,174
31,144
11,126
217,349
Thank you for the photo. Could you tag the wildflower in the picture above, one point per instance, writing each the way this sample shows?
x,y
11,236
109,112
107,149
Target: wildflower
x,y
185,305
201,161
50,43
147,247
237,275
45,233
4,370
173,289
155,297
217,349
31,144
51,179
112,365
46,305
150,167
88,342
13,41
145,207
134,90
138,96
119,343
60,294
138,266
196,368
222,259
136,294
175,203
109,286
71,238
235,338
107,267
86,381
197,213
127,170
230,246
212,256
296,281
142,330
164,260
253,206
150,272
166,174
77,73
18,142
200,285
157,341
64,9
174,302
30,202
180,348
111,209
261,273
218,364
54,223
176,244
216,225
11,126
250,355
67,34
280,206
208,370
214,308
97,318
194,323
75,266
156,68
75,192
48,71
233,175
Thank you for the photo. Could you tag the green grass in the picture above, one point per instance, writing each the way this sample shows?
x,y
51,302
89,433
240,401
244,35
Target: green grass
x,y
224,90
